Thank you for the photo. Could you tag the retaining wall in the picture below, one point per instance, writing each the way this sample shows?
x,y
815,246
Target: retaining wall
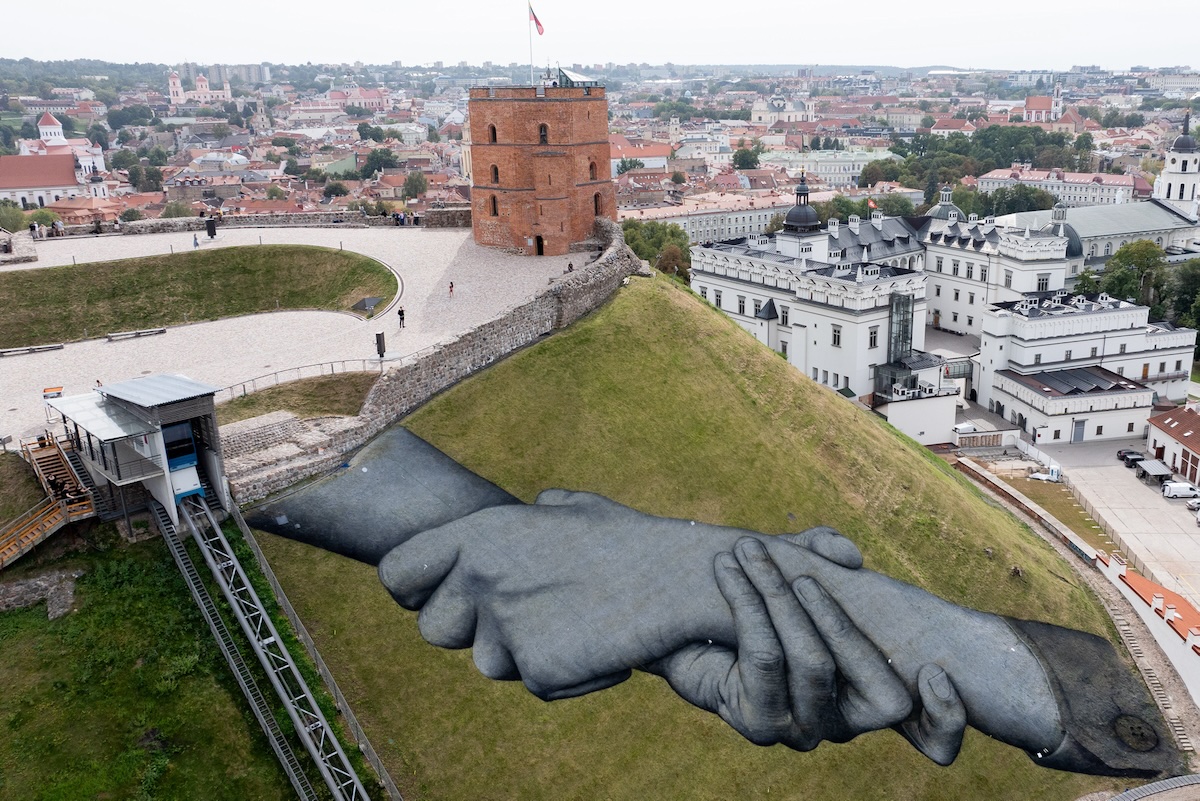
x,y
434,218
279,464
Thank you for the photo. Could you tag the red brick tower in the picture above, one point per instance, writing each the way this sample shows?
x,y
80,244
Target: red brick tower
x,y
540,164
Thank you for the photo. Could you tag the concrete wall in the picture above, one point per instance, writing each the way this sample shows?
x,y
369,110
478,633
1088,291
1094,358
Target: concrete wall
x,y
270,453
445,218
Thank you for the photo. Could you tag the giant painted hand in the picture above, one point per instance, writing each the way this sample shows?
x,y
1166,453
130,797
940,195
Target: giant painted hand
x,y
802,672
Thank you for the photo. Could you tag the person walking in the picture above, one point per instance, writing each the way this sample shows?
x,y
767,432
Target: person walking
x,y
400,314
451,289
195,241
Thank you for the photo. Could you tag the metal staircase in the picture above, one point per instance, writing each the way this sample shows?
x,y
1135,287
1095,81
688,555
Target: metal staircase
x,y
85,480
262,710
310,723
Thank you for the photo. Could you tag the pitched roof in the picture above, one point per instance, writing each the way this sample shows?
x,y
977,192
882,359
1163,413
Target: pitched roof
x,y
48,119
32,172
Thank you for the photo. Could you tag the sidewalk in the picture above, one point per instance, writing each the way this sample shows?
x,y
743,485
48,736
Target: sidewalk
x,y
225,352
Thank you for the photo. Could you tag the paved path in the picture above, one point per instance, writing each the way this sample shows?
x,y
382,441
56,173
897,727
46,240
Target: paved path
x,y
225,352
1160,531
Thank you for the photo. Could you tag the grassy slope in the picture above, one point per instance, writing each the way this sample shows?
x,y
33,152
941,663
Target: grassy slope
x,y
58,304
19,487
341,394
663,404
128,697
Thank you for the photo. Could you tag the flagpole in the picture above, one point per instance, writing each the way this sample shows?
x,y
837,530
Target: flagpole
x,y
529,22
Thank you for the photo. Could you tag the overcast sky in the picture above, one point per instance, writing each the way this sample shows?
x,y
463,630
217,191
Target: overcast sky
x,y
1013,34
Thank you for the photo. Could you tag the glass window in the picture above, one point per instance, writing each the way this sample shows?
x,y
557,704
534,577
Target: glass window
x,y
939,264
741,304
971,298
783,348
956,294
1094,352
873,337
1122,350
837,336
970,270
1099,430
970,321
1058,433
783,315
982,273
954,267
1067,356
937,290
704,293
757,307
1008,278
954,315
1043,282
1037,358
717,298
1129,428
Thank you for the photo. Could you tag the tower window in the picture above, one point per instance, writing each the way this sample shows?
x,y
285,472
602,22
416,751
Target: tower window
x,y
592,171
495,174
543,135
598,204
492,134
495,207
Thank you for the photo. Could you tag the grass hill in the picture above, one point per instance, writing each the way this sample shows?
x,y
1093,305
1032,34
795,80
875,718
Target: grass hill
x,y
662,403
62,304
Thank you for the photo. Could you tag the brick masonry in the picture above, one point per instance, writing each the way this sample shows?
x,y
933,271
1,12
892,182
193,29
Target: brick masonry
x,y
526,186
270,453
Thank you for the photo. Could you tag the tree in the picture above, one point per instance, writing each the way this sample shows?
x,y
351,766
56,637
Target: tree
x,y
292,167
151,180
98,136
433,136
157,157
928,121
670,261
12,219
357,111
1138,270
43,217
283,141
132,215
177,208
122,159
1087,284
678,177
379,160
1185,289
220,130
276,192
745,159
336,189
368,131
627,164
415,184
896,206
775,224
650,239
136,175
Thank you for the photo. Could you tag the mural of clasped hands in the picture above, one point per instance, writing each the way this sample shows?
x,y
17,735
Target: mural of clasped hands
x,y
787,638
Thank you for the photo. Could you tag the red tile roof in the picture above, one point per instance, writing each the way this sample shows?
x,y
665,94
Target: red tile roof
x,y
32,172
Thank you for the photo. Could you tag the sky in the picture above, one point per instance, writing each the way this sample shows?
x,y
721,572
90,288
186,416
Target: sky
x,y
1015,34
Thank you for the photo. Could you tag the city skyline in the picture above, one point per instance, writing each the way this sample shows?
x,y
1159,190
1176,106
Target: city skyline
x,y
630,32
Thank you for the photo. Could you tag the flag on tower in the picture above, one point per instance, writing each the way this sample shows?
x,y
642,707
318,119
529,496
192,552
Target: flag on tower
x,y
871,203
533,18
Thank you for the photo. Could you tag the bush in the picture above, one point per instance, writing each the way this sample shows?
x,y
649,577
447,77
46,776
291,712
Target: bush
x,y
132,215
177,208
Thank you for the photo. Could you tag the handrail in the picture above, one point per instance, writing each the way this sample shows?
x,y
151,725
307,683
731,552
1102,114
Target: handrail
x,y
20,520
251,385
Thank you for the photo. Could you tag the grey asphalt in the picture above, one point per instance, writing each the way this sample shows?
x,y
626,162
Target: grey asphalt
x,y
487,282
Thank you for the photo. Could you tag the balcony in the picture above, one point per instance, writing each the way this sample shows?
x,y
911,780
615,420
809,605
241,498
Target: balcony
x,y
119,462
899,392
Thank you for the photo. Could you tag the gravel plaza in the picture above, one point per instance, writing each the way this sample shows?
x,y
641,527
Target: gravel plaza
x,y
229,351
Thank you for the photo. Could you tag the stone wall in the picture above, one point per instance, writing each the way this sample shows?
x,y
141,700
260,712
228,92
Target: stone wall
x,y
454,217
56,588
264,465
22,249
457,217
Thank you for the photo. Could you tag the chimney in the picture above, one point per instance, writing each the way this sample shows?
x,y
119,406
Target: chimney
x,y
853,223
833,224
877,219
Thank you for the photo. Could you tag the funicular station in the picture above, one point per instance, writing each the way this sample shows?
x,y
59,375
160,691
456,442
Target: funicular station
x,y
152,444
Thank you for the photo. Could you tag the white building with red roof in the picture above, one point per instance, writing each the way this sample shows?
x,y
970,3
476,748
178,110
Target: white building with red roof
x,y
1071,188
1175,439
51,141
35,181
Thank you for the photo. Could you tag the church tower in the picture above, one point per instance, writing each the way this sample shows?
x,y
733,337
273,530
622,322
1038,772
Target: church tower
x,y
1056,102
175,89
1179,183
50,130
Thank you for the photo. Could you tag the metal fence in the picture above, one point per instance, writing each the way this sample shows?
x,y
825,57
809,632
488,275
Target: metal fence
x,y
278,377
1130,557
352,724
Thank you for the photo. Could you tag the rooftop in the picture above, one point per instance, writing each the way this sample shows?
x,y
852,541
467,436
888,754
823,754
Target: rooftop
x,y
157,390
1075,381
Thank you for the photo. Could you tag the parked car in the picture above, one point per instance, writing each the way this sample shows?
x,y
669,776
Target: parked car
x,y
1121,454
1133,458
1193,504
1179,489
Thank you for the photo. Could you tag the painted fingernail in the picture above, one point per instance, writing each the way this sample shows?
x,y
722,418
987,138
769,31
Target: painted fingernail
x,y
809,588
727,561
752,549
940,684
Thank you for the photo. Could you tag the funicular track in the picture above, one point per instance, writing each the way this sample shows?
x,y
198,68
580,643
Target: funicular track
x,y
310,723
262,709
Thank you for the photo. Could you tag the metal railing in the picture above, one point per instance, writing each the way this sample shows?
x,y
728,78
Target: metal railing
x,y
290,374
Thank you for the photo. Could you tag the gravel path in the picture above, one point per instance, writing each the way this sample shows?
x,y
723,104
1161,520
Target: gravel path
x,y
225,352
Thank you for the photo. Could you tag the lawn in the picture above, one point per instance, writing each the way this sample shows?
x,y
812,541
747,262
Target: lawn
x,y
127,697
19,487
341,395
62,304
1058,501
663,404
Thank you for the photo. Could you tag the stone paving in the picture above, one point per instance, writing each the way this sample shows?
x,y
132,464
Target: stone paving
x,y
1160,531
224,352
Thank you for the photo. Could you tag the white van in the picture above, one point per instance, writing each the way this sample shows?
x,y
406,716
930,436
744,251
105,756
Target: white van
x,y
1179,489
964,428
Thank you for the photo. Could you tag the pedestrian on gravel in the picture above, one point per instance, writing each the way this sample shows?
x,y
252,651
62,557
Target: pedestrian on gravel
x,y
400,314
451,289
